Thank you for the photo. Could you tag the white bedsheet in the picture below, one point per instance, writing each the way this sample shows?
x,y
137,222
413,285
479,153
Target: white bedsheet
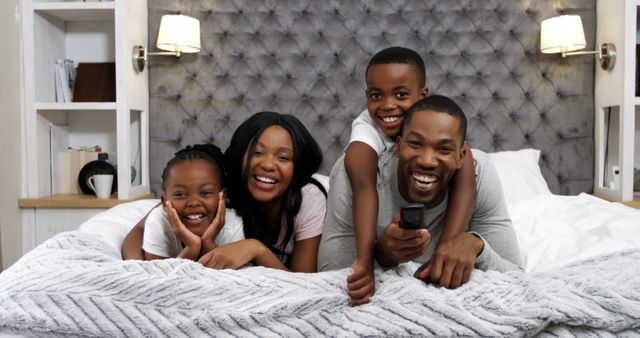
x,y
555,230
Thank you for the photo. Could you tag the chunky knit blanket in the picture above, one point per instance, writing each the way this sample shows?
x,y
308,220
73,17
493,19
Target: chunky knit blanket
x,y
76,285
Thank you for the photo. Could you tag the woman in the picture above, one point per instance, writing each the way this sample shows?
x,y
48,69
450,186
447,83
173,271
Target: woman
x,y
270,161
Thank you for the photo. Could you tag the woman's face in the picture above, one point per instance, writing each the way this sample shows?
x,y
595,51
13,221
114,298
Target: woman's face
x,y
271,167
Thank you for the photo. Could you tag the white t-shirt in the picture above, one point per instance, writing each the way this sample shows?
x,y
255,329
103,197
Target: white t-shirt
x,y
160,240
309,221
364,130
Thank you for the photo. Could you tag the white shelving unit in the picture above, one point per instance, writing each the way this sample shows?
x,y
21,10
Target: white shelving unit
x,y
87,32
617,130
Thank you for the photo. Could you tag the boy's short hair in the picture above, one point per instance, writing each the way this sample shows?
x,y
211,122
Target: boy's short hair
x,y
400,55
439,104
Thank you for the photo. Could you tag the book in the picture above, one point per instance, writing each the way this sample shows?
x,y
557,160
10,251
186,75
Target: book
x,y
69,165
95,82
637,91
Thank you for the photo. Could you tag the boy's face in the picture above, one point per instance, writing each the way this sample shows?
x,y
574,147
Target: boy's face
x,y
192,186
391,89
429,152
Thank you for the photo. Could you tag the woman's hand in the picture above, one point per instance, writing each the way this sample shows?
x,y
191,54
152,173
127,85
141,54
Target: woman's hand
x,y
233,255
209,236
192,242
238,254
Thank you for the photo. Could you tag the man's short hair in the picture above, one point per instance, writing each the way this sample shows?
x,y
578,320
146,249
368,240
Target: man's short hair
x,y
439,104
400,55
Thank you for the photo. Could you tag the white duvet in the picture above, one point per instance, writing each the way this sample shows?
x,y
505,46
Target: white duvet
x,y
555,230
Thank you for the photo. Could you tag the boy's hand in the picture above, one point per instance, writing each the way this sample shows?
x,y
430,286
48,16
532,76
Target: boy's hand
x,y
452,262
212,231
188,238
361,283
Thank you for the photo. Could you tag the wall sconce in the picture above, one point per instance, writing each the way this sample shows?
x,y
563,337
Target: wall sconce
x,y
564,34
177,34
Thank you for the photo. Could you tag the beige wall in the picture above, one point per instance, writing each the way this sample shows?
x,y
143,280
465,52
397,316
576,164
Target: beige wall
x,y
10,131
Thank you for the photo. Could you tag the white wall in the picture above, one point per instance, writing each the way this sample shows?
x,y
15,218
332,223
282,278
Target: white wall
x,y
10,176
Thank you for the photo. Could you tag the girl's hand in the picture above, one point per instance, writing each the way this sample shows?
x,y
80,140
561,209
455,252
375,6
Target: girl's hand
x,y
233,255
191,241
209,236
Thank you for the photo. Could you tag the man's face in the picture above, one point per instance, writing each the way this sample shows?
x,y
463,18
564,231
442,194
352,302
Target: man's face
x,y
429,152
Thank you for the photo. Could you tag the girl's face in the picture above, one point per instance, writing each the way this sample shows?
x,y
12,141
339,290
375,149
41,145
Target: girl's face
x,y
271,167
192,186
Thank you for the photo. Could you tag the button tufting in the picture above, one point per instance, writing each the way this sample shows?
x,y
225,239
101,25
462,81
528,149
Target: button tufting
x,y
326,70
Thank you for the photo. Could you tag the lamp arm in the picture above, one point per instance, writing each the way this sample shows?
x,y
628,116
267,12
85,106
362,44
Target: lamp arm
x,y
565,54
176,53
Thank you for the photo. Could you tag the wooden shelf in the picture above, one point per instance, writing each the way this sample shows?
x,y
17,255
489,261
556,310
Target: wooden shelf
x,y
76,201
635,203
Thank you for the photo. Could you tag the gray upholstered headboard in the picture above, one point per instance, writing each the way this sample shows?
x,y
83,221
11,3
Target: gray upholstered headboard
x,y
307,57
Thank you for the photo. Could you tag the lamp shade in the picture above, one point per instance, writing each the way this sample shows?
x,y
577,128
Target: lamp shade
x,y
562,34
179,33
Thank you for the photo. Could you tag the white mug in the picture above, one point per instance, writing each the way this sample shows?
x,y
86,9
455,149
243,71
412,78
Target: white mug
x,y
101,184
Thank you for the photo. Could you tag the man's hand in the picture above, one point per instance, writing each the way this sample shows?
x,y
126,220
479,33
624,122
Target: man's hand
x,y
452,262
209,236
191,241
361,283
399,245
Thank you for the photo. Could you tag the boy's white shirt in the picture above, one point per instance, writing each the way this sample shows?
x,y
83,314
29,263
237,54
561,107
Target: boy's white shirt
x,y
363,129
160,240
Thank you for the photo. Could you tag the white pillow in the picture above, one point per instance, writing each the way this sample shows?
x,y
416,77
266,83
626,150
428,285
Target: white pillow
x,y
520,174
114,224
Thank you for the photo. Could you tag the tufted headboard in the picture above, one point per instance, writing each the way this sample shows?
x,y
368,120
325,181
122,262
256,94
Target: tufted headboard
x,y
307,58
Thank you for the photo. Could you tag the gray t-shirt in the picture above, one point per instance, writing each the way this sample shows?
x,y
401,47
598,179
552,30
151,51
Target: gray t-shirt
x,y
489,220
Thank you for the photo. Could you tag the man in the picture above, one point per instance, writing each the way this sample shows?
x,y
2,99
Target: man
x,y
428,152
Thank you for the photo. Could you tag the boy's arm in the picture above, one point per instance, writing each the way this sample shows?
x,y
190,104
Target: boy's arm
x,y
132,244
361,164
462,198
453,259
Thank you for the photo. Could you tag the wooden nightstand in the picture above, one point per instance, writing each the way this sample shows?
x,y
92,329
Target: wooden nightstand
x,y
45,217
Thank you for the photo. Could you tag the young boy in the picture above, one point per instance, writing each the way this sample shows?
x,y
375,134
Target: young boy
x,y
395,80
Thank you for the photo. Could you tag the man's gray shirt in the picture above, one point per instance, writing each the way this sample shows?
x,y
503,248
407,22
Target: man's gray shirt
x,y
489,220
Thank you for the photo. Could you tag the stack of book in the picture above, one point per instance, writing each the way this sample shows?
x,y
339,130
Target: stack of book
x,y
65,77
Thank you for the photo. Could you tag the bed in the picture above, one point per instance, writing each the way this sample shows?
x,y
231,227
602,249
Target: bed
x,y
307,58
581,254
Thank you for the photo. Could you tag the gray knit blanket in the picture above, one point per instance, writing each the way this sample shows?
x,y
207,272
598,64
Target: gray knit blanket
x,y
76,285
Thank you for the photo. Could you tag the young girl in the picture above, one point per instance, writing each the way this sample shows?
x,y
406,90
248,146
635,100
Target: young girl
x,y
191,221
270,159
